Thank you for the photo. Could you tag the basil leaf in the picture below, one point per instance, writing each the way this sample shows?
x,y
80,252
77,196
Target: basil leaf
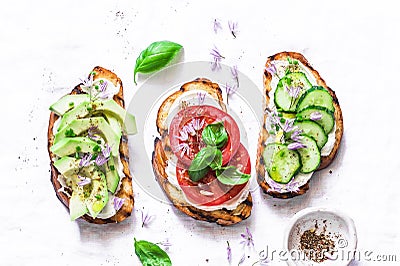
x,y
230,175
207,157
215,135
150,254
156,56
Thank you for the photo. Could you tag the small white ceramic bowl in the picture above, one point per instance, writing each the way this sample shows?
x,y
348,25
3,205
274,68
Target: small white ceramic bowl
x,y
337,225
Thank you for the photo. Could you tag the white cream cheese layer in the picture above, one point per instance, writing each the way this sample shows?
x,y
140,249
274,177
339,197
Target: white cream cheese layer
x,y
229,205
300,179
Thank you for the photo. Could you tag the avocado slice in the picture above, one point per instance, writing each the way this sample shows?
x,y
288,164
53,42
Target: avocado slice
x,y
108,106
77,204
67,165
68,146
78,126
67,102
112,176
98,197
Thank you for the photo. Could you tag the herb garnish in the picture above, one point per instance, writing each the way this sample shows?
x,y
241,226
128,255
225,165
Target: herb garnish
x,y
151,254
217,25
216,59
156,56
233,28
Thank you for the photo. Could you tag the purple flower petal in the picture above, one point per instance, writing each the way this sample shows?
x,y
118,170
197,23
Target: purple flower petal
x,y
118,202
296,135
201,97
103,86
233,28
229,252
230,89
198,124
216,60
146,218
293,91
315,116
189,129
248,238
100,160
85,161
83,181
93,132
235,74
106,151
217,26
242,258
288,125
296,145
271,69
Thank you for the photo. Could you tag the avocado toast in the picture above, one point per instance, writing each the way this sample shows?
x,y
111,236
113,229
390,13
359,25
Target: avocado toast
x,y
303,126
88,149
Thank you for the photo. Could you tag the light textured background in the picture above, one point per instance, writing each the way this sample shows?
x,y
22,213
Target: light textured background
x,y
46,46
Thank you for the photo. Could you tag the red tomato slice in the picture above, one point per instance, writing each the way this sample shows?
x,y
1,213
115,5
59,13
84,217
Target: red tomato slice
x,y
209,191
186,149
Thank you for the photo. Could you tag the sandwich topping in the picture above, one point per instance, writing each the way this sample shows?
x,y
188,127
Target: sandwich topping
x,y
86,143
212,167
300,123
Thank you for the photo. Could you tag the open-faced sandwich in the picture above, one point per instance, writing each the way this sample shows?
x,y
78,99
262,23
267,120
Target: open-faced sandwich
x,y
87,143
303,126
198,159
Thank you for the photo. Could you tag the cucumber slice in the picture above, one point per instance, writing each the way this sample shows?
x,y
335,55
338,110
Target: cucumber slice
x,y
314,130
327,120
310,156
316,96
281,163
282,98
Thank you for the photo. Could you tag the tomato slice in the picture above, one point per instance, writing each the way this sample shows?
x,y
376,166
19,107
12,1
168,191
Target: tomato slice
x,y
185,145
209,191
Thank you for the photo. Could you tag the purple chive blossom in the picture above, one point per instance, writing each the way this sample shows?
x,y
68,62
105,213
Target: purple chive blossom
x,y
296,145
315,116
229,252
106,151
146,218
247,238
201,96
183,148
296,135
271,69
242,258
235,74
189,129
217,57
233,28
83,181
118,202
288,125
274,186
85,161
93,132
230,89
184,136
100,160
103,86
293,91
197,124
217,26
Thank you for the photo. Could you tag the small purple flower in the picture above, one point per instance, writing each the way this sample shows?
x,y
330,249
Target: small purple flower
x,y
293,91
296,145
230,89
273,186
83,181
183,148
217,25
93,132
235,74
189,129
146,218
247,238
315,116
85,161
271,69
100,160
106,151
233,28
296,135
229,252
217,57
197,124
184,136
103,86
201,96
288,125
118,202
293,186
242,258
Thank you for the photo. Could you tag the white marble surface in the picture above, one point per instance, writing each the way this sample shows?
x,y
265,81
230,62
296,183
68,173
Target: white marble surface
x,y
46,46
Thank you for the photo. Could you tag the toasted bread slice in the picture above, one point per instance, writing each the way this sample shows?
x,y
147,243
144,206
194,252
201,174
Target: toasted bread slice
x,y
325,160
160,161
125,191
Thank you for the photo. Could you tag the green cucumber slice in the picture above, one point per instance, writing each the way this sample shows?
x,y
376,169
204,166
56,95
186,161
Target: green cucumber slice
x,y
281,163
316,96
314,130
282,98
327,120
310,156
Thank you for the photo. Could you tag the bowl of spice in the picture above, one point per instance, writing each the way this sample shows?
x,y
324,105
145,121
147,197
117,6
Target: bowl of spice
x,y
320,236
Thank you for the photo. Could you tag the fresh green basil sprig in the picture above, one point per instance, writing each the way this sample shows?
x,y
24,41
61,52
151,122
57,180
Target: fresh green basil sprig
x,y
156,56
210,157
215,135
151,254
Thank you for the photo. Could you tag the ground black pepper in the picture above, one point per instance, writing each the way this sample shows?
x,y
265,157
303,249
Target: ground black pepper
x,y
315,245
